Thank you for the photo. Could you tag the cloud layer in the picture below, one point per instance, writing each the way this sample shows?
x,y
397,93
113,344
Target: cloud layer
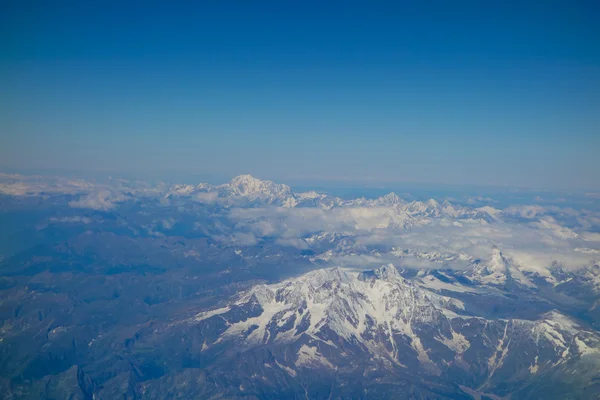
x,y
248,212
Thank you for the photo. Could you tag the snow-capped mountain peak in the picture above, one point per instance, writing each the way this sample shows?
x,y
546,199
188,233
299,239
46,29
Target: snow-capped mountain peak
x,y
387,273
390,199
246,185
332,317
246,180
354,306
494,271
497,262
254,189
498,270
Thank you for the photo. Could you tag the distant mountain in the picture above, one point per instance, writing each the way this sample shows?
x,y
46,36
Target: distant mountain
x,y
498,270
244,187
252,190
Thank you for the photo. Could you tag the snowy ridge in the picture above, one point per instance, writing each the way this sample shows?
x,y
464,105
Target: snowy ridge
x,y
266,192
243,187
252,188
356,306
433,256
341,300
391,317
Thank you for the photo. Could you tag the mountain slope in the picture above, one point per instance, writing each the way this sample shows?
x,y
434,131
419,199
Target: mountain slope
x,y
336,321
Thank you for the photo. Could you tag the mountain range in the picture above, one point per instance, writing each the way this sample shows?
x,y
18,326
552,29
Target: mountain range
x,y
338,333
250,289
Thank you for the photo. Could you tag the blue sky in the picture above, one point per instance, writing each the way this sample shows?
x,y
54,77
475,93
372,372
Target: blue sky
x,y
423,91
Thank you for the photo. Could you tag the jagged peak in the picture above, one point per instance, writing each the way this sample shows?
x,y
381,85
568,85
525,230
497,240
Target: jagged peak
x,y
251,183
556,266
592,268
311,194
496,251
429,207
334,273
318,277
245,179
497,261
249,186
386,273
390,199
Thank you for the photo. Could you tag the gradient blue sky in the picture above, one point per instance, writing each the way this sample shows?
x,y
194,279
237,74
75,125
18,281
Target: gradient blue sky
x,y
480,92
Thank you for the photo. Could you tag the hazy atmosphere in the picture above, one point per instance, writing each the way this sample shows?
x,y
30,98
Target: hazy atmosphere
x,y
469,92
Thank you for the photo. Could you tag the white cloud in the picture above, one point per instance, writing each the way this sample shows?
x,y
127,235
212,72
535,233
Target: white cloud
x,y
534,244
76,219
206,197
533,235
244,239
591,236
527,211
19,185
102,200
293,242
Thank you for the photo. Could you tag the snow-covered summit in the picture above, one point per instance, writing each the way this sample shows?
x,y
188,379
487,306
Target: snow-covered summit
x,y
255,189
351,304
498,263
329,316
390,199
498,270
248,185
249,191
387,273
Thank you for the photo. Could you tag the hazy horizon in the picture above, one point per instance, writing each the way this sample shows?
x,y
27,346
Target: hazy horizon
x,y
432,93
